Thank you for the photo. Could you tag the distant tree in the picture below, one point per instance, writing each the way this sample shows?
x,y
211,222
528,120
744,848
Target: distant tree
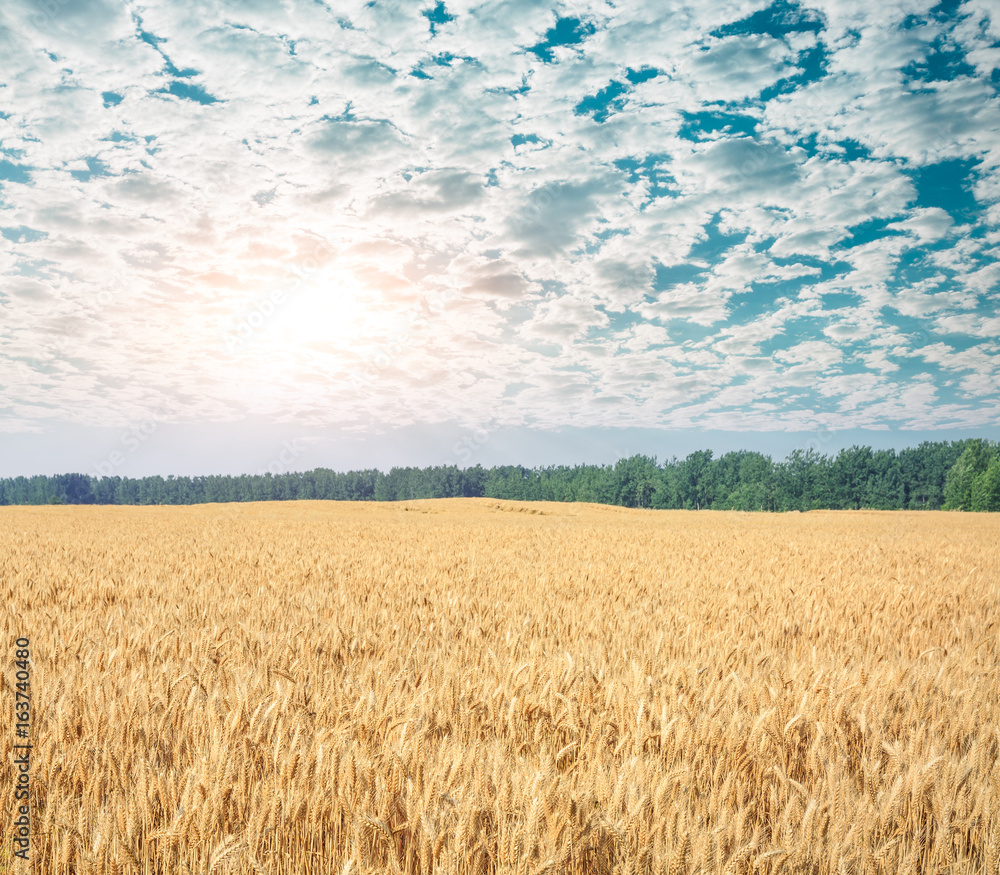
x,y
473,481
885,489
850,473
803,481
634,481
986,487
71,489
385,486
756,482
975,460
666,491
961,474
725,479
695,480
506,481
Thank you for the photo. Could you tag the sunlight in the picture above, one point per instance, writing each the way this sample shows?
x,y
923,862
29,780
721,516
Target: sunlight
x,y
326,308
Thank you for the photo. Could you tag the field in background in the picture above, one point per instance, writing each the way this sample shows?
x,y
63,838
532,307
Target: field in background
x,y
474,686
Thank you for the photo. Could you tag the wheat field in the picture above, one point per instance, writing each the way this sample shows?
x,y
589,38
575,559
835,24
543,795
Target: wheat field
x,y
474,686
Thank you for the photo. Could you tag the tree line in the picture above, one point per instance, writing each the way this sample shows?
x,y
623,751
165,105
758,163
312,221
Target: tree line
x,y
950,475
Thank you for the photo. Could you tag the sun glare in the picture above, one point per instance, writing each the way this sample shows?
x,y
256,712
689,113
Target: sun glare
x,y
323,309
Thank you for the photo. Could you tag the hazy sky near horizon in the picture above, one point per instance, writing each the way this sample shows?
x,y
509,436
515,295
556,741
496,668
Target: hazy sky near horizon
x,y
733,216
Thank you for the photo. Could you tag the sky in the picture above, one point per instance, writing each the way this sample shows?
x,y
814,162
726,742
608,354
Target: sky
x,y
456,232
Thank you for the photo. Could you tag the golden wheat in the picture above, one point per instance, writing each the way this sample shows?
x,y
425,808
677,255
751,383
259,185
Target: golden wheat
x,y
473,686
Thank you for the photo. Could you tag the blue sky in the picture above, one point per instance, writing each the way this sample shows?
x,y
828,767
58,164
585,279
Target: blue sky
x,y
577,229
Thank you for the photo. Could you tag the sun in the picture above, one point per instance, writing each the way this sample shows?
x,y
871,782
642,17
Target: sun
x,y
324,309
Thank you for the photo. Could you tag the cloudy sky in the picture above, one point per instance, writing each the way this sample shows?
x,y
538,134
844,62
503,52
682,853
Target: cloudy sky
x,y
397,225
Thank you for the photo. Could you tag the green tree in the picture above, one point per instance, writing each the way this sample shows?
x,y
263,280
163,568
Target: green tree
x,y
635,481
72,489
666,494
886,489
696,480
803,481
850,472
975,460
986,487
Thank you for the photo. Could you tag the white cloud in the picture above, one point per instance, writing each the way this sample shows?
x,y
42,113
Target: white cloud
x,y
814,353
928,224
147,226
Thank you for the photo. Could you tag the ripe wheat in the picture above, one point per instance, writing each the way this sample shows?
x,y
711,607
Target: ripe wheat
x,y
465,687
